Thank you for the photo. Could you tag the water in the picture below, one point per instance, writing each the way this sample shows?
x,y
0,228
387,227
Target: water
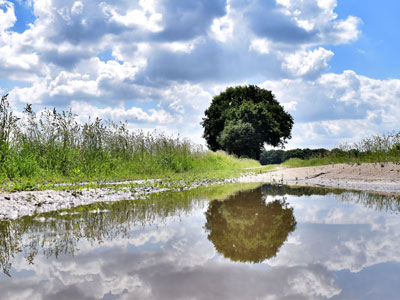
x,y
225,242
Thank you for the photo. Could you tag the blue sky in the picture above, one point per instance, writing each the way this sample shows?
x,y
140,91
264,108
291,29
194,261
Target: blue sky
x,y
158,63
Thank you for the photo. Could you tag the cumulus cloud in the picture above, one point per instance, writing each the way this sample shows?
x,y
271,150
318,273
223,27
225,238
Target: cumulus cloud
x,y
146,17
301,22
338,108
308,63
133,115
7,15
167,56
260,45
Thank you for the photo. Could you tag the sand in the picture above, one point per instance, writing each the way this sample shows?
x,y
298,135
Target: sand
x,y
382,178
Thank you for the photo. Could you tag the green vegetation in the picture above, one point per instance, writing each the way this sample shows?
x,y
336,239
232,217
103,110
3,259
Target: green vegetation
x,y
374,149
280,156
242,119
55,147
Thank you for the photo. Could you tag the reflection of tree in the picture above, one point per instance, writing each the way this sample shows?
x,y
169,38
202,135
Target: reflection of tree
x,y
57,233
244,228
256,224
378,202
281,190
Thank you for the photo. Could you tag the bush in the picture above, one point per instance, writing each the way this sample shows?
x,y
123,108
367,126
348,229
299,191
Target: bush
x,y
280,156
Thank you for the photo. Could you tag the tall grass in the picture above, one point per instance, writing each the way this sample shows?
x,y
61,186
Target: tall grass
x,y
377,148
54,146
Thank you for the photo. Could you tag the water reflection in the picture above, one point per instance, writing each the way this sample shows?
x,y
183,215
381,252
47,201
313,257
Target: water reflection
x,y
56,233
179,246
245,228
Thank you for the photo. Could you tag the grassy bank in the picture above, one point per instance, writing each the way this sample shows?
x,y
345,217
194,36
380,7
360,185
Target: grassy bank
x,y
55,147
375,149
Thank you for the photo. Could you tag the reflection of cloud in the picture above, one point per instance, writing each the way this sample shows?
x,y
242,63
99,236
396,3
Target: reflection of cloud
x,y
157,275
174,262
333,242
341,237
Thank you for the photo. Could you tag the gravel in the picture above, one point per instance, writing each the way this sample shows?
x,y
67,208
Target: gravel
x,y
19,204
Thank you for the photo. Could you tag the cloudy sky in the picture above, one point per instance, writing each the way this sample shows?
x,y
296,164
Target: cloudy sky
x,y
157,63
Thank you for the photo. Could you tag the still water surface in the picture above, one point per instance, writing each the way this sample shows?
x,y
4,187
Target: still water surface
x,y
224,242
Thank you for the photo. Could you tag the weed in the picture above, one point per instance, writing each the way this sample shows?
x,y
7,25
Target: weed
x,y
375,149
53,147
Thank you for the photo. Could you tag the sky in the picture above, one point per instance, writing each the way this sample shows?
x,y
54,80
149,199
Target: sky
x,y
157,64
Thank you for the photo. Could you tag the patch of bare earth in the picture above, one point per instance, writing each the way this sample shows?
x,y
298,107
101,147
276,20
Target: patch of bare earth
x,y
383,178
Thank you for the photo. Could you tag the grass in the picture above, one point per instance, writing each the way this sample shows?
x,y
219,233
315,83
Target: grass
x,y
374,149
38,150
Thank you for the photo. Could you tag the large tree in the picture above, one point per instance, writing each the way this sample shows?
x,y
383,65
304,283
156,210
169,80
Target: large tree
x,y
242,119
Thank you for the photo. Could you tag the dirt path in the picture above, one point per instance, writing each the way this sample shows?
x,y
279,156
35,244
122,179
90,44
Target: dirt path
x,y
381,178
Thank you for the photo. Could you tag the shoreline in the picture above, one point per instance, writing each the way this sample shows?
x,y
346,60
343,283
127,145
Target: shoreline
x,y
377,178
24,203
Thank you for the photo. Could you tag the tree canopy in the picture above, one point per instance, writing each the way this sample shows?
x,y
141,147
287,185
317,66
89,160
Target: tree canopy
x,y
241,119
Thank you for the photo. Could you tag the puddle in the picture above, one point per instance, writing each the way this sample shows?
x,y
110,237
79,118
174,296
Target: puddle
x,y
235,241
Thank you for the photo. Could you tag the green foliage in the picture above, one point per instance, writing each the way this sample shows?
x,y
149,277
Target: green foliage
x,y
8,129
238,138
53,146
231,113
377,148
279,156
271,157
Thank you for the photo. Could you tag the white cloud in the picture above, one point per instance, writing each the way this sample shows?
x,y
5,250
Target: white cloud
x,y
222,28
260,45
306,63
338,108
166,59
7,15
119,113
77,8
186,47
147,17
345,31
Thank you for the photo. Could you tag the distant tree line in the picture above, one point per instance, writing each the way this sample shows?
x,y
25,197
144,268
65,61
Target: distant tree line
x,y
268,157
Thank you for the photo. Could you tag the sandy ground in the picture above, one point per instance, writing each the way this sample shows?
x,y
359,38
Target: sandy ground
x,y
383,178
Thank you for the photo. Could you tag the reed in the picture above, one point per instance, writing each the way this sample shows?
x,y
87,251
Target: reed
x,y
53,146
373,149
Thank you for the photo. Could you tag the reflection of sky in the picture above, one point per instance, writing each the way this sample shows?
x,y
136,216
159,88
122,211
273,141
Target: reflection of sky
x,y
338,251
